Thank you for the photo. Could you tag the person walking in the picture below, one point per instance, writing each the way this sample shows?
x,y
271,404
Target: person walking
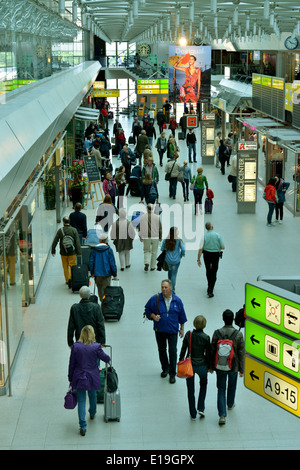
x,y
281,188
201,363
86,312
199,181
216,146
161,146
187,178
103,265
69,247
141,143
223,154
172,169
175,250
211,249
168,315
78,221
233,173
161,120
227,379
123,233
83,373
270,197
150,233
120,179
191,144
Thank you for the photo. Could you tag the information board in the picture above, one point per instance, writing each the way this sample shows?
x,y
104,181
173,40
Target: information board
x,y
272,385
272,310
247,156
91,168
271,347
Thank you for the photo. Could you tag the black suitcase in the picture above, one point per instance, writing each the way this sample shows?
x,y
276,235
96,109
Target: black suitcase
x,y
180,135
113,303
114,150
208,206
131,139
86,253
79,276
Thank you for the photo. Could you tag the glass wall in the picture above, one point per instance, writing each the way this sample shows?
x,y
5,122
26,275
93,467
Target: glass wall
x,y
292,172
12,287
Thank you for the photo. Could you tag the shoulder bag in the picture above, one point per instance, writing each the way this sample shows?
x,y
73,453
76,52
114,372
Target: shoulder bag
x,y
185,368
70,399
168,175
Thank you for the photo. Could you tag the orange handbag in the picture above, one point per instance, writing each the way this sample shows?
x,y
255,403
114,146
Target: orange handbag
x,y
185,368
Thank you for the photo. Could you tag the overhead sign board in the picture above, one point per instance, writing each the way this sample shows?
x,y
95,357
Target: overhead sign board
x,y
272,310
272,385
268,346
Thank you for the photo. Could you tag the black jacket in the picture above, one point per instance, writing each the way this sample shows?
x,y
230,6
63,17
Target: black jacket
x,y
200,350
84,313
78,221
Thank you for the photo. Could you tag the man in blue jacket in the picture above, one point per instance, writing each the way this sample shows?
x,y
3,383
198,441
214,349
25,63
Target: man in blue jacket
x,y
167,312
103,265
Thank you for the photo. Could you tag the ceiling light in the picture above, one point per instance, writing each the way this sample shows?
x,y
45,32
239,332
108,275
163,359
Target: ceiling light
x,y
182,40
191,11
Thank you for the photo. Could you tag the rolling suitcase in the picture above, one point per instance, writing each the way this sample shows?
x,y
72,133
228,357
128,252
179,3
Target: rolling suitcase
x,y
86,253
131,140
113,302
208,206
181,136
79,276
112,397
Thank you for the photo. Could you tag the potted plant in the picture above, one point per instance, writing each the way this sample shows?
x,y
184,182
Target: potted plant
x,y
78,183
49,189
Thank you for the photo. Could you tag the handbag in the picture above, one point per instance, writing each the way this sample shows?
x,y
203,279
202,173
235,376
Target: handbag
x,y
70,399
164,126
168,175
185,368
180,177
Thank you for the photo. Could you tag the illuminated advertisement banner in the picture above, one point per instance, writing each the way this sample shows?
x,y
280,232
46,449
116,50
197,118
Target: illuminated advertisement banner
x,y
189,74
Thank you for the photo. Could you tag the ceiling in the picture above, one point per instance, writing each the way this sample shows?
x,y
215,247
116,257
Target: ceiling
x,y
165,20
127,20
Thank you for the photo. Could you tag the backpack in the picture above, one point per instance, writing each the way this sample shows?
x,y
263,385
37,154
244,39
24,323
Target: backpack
x,y
225,352
240,318
68,243
152,194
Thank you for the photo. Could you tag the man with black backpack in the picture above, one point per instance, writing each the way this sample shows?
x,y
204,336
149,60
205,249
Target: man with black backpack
x,y
228,353
70,247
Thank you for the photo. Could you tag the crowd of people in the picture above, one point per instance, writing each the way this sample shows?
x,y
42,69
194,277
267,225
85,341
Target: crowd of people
x,y
138,175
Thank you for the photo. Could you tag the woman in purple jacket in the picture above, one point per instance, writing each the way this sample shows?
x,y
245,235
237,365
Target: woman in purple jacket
x,y
84,372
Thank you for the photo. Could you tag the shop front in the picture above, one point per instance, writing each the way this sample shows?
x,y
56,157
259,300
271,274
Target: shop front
x,y
26,237
256,129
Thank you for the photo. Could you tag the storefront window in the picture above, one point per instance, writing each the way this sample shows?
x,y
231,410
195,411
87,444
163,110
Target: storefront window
x,y
291,176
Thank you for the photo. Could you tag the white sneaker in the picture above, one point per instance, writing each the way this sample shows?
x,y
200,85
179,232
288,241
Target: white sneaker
x,y
280,221
201,414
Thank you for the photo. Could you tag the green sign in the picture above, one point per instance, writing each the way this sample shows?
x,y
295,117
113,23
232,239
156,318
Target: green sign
x,y
153,81
277,350
274,311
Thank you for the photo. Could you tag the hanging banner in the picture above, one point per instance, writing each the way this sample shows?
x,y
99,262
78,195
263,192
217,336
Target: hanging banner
x,y
189,74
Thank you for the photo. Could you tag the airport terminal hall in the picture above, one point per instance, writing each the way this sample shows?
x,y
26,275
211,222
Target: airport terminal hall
x,y
149,227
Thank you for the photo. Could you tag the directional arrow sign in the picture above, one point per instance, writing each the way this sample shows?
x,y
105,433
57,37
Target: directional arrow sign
x,y
273,310
271,385
269,346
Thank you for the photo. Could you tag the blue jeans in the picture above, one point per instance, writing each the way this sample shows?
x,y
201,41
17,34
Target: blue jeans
x,y
81,399
192,147
172,273
201,371
271,210
222,400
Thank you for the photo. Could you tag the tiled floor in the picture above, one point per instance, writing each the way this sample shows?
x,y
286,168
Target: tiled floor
x,y
154,413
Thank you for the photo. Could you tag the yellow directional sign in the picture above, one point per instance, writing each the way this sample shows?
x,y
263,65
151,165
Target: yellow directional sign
x,y
272,385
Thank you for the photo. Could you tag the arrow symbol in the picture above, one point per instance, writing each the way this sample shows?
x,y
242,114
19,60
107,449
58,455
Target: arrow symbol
x,y
254,340
253,376
254,303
